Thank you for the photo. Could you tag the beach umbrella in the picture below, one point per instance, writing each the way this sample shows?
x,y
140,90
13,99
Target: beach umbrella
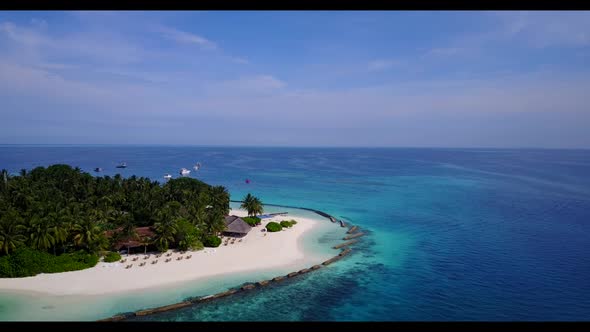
x,y
247,180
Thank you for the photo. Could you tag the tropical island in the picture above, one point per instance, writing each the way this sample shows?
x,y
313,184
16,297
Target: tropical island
x,y
108,233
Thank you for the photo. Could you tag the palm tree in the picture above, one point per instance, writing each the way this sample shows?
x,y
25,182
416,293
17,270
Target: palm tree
x,y
165,232
87,234
10,234
220,199
41,233
100,217
59,223
257,207
4,179
247,202
105,203
197,214
100,243
128,227
252,204
23,200
215,223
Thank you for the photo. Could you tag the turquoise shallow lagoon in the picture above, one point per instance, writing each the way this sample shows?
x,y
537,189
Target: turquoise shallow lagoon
x,y
14,306
454,234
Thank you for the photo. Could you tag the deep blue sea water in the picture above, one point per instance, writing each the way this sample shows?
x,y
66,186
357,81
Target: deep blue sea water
x,y
454,234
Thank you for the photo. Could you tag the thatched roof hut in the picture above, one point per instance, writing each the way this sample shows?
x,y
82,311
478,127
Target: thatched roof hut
x,y
236,226
143,235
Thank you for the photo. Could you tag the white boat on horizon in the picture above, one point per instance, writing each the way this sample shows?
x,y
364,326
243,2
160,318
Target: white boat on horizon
x,y
167,176
197,166
184,172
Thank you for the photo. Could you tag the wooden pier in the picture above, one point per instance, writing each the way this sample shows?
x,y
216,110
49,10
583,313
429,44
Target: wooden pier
x,y
276,214
321,213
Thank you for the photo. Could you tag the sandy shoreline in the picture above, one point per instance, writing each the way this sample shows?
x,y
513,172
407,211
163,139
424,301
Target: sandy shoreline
x,y
255,252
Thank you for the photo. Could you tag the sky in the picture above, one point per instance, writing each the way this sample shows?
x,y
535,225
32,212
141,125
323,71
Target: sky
x,y
304,78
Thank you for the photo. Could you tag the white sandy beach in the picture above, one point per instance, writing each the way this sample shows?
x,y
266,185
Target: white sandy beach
x,y
255,252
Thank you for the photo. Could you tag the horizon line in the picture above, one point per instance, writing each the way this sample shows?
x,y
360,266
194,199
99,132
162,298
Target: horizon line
x,y
280,146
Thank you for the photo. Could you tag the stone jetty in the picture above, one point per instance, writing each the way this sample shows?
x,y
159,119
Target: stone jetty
x,y
341,245
352,236
352,229
250,286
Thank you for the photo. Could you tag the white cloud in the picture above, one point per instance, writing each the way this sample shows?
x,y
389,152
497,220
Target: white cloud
x,y
547,29
142,76
27,81
381,64
55,66
186,37
529,29
264,98
247,86
99,47
38,70
444,51
240,60
265,82
40,23
24,36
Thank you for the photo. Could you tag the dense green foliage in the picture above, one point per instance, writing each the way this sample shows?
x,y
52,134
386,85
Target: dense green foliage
x,y
112,257
60,209
212,241
187,236
252,204
288,223
274,227
252,221
26,262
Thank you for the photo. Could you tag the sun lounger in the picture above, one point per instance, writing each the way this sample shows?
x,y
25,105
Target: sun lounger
x,y
154,262
135,258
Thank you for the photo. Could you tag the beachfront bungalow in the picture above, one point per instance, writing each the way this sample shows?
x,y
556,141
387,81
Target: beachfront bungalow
x,y
144,234
236,227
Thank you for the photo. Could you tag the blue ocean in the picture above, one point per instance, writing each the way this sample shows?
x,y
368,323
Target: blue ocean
x,y
452,234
